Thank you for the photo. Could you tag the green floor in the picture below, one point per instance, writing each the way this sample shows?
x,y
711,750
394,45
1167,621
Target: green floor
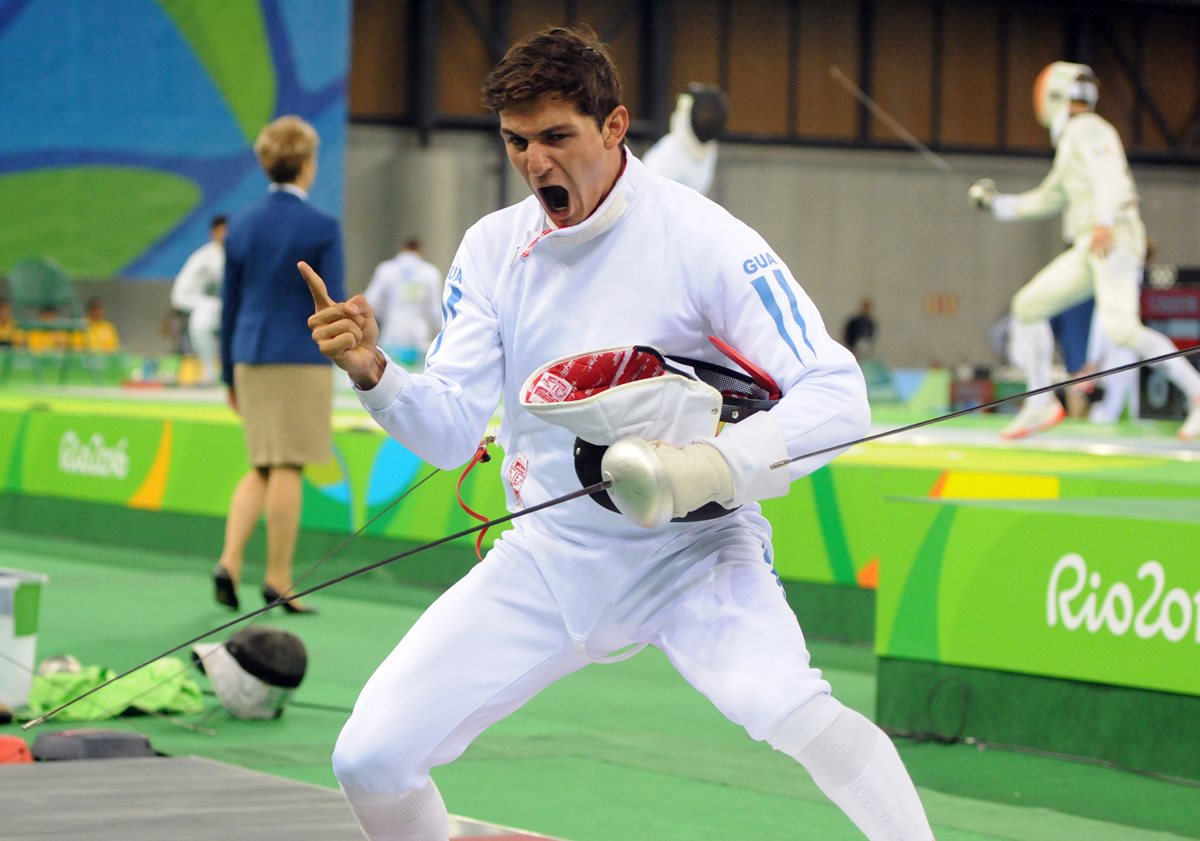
x,y
626,751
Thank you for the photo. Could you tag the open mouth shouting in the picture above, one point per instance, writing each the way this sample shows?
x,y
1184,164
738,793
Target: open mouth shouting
x,y
557,202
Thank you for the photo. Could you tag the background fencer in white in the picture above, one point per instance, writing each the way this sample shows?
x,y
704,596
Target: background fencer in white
x,y
603,254
1091,185
197,292
687,153
405,293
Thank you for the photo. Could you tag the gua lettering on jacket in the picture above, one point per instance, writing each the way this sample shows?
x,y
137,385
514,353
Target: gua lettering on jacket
x,y
759,262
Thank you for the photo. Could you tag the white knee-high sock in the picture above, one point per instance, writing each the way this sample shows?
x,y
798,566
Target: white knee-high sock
x,y
858,768
1179,370
1031,348
409,816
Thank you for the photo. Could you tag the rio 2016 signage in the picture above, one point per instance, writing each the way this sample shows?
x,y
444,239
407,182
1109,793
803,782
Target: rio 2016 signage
x,y
93,456
192,466
1100,590
1080,599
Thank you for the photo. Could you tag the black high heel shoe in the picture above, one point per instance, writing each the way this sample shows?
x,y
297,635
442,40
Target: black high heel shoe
x,y
224,588
271,595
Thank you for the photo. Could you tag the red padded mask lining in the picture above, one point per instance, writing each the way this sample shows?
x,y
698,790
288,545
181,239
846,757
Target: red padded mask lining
x,y
583,376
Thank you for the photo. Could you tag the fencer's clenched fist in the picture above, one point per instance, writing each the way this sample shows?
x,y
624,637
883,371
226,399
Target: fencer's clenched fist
x,y
653,482
982,193
347,333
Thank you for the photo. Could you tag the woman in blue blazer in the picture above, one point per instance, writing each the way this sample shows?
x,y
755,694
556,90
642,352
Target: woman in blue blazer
x,y
278,381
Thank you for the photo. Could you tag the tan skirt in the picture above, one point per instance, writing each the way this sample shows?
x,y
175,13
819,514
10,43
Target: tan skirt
x,y
287,411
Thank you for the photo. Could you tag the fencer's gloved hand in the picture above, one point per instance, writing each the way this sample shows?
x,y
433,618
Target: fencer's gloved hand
x,y
982,193
653,482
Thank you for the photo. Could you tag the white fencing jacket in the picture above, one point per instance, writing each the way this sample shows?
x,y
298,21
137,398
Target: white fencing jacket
x,y
404,292
197,287
680,156
1089,183
656,264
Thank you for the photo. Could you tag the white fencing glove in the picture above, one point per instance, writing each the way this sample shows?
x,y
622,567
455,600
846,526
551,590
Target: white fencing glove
x,y
653,482
982,193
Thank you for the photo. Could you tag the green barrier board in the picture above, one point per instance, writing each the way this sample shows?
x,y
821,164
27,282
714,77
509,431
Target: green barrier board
x,y
191,466
955,534
1101,590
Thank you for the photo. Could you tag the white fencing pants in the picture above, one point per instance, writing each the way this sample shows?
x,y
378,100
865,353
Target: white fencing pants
x,y
1074,276
1120,390
496,638
203,323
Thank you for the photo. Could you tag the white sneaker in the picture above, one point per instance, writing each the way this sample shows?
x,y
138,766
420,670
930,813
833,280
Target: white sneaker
x,y
1033,419
1190,430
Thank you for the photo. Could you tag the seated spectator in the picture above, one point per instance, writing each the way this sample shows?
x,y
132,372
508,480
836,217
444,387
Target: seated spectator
x,y
10,334
101,333
49,335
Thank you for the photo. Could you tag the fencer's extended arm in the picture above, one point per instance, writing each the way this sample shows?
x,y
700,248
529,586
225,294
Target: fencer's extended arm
x,y
1043,201
439,418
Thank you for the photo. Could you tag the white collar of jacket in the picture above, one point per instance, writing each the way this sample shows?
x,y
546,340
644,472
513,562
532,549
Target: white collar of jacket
x,y
289,188
602,220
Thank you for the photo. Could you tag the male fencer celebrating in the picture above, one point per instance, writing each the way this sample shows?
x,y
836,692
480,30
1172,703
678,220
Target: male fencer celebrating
x,y
586,310
1090,184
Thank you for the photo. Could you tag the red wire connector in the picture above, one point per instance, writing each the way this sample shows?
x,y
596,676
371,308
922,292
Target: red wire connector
x,y
481,455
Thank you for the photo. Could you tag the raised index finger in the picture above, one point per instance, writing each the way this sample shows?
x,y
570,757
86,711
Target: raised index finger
x,y
316,286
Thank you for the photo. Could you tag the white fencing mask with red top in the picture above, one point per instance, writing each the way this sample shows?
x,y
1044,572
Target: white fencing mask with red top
x,y
605,395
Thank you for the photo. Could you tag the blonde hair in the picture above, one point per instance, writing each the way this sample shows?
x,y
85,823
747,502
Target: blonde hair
x,y
283,147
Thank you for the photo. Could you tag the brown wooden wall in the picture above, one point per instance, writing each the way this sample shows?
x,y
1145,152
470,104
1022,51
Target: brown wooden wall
x,y
955,73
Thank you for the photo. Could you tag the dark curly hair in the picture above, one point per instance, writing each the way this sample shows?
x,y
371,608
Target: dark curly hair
x,y
570,64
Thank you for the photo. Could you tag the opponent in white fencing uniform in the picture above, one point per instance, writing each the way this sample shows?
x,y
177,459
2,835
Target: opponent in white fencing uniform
x,y
688,152
1090,184
197,292
605,255
406,293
